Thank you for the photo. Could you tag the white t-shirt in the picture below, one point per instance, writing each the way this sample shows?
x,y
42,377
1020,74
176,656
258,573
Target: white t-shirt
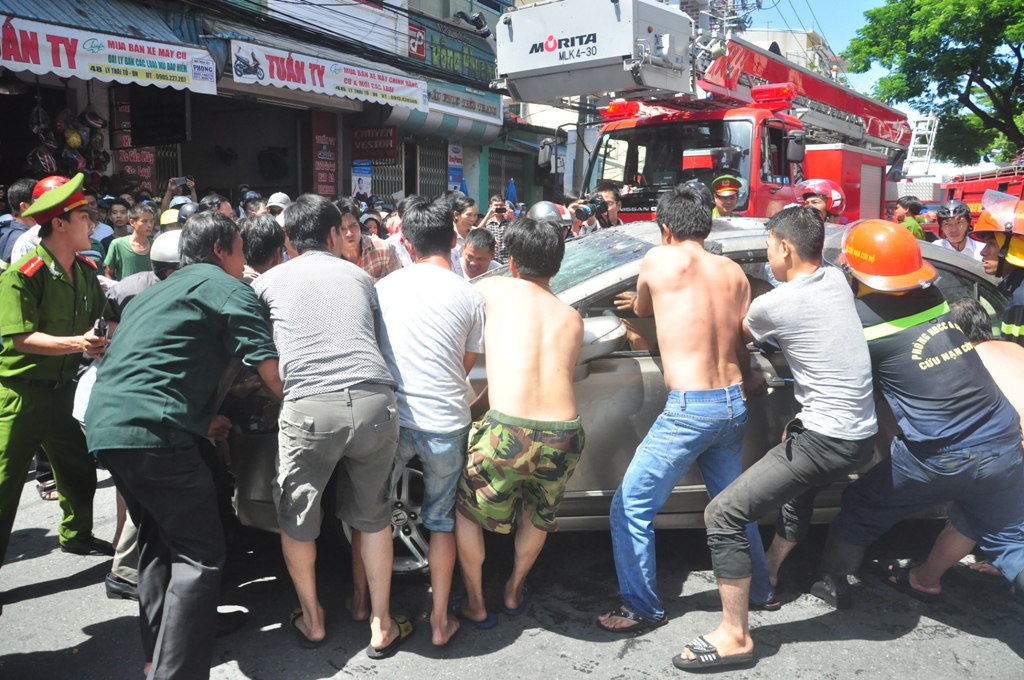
x,y
972,248
102,231
404,258
492,266
431,319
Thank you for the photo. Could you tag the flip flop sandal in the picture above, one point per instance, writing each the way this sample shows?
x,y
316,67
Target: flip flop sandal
x,y
47,490
490,622
642,622
522,605
902,583
405,632
304,641
707,656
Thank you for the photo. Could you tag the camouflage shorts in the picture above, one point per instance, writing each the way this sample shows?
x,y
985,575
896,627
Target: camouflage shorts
x,y
512,459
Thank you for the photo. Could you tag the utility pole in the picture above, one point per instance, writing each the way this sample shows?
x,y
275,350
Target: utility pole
x,y
581,158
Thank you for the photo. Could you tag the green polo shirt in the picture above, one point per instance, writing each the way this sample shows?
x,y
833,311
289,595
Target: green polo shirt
x,y
47,301
156,387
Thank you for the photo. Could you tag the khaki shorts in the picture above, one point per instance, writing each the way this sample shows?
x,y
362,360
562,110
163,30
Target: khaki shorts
x,y
512,459
358,427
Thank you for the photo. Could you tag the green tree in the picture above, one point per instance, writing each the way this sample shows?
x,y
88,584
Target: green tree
x,y
961,59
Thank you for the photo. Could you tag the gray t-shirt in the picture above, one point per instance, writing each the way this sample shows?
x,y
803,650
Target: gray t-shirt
x,y
815,322
432,318
322,308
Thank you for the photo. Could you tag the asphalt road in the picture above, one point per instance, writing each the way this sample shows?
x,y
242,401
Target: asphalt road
x,y
57,622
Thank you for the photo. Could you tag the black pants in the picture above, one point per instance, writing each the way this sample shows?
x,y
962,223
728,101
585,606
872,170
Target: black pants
x,y
792,472
44,471
171,497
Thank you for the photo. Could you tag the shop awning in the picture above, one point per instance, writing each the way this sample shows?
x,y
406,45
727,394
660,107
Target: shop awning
x,y
457,114
285,63
108,40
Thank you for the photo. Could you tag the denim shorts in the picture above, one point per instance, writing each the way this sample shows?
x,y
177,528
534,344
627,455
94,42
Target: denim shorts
x,y
443,456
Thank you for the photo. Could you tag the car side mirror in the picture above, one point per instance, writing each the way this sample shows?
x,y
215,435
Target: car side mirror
x,y
795,146
602,335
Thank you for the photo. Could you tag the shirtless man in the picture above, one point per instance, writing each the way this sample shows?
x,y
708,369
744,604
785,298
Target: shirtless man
x,y
527,446
699,301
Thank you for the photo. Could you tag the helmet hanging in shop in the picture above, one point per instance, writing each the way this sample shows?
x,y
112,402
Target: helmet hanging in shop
x,y
885,256
72,138
41,161
835,197
1003,216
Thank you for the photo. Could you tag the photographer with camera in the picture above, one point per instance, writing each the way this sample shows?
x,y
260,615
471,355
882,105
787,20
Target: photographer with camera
x,y
495,221
179,186
613,204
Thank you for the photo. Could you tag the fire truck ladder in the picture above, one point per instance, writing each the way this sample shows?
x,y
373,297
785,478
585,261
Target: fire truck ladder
x,y
922,145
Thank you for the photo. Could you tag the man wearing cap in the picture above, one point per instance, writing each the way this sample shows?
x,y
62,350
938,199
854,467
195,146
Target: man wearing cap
x,y
49,301
727,190
961,438
277,203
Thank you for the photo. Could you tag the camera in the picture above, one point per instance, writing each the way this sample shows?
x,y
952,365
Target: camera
x,y
593,206
180,181
500,211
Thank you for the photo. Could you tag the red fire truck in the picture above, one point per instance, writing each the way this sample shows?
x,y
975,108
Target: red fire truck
x,y
685,104
970,187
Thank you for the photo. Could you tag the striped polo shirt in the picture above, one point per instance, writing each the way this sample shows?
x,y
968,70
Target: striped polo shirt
x,y
323,309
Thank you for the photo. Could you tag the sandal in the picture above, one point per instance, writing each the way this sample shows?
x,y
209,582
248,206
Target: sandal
x,y
47,490
456,608
304,641
642,622
707,656
892,570
522,605
405,631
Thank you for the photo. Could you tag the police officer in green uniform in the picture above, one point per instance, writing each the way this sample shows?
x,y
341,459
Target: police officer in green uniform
x,y
49,302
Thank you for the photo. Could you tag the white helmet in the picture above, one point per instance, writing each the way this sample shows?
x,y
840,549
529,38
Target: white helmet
x,y
165,252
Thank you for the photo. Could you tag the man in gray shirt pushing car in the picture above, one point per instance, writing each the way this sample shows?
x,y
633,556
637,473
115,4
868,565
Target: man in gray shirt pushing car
x,y
813,320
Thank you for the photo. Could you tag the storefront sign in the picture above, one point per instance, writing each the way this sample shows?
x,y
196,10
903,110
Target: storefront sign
x,y
375,143
267,66
68,52
138,164
362,182
455,166
450,48
465,102
325,154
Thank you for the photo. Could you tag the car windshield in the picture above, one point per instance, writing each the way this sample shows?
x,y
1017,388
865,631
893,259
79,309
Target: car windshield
x,y
647,160
595,254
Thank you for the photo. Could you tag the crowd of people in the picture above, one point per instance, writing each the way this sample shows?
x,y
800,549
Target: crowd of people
x,y
121,343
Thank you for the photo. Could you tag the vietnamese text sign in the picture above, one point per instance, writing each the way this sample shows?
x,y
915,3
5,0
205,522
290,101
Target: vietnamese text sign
x,y
68,52
375,143
450,48
268,66
325,154
465,102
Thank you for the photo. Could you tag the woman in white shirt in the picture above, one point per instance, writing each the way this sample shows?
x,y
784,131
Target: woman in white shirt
x,y
954,218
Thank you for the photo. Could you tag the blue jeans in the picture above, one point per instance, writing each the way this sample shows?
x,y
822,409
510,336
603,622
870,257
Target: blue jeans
x,y
985,484
443,456
704,426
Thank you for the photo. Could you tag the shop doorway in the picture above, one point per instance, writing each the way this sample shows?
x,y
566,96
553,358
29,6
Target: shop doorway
x,y
503,166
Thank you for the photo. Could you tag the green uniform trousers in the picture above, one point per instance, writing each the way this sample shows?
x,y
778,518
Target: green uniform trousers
x,y
32,416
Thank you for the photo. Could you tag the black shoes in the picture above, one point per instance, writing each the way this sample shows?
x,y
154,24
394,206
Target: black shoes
x,y
119,589
834,590
90,546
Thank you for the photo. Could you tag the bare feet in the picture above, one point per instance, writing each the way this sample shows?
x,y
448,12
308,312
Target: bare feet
x,y
727,644
930,588
513,600
984,567
360,610
443,627
312,633
382,636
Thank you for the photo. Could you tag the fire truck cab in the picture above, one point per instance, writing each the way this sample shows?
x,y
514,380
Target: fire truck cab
x,y
684,103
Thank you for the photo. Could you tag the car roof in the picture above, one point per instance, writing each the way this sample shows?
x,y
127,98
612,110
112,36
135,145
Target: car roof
x,y
742,238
